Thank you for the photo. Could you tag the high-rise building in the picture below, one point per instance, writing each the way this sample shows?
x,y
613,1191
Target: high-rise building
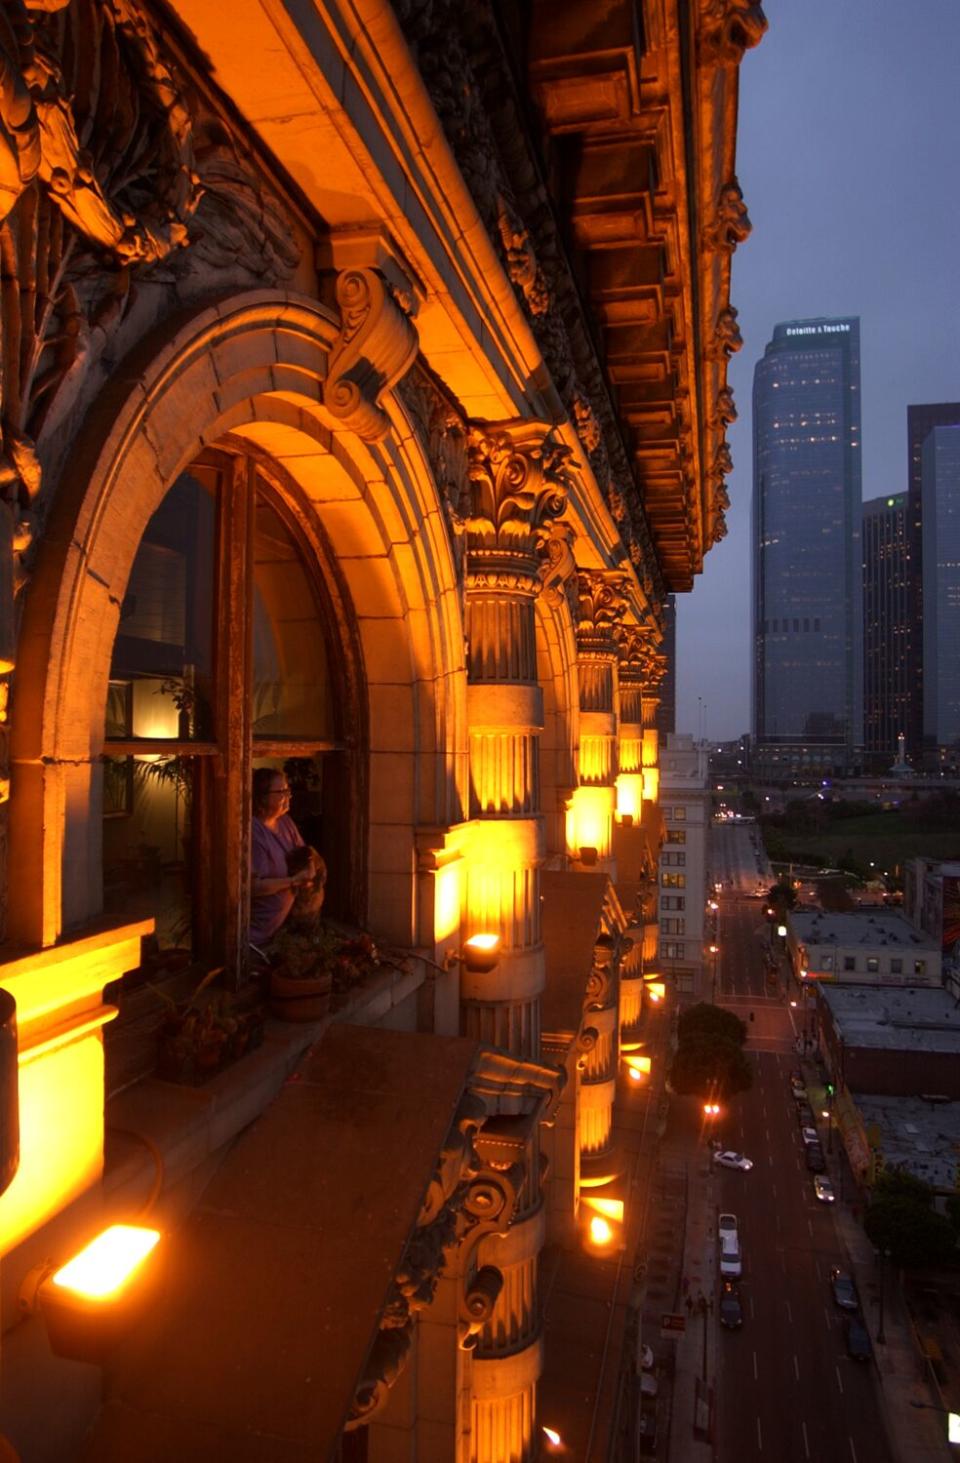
x,y
940,495
921,420
807,572
887,664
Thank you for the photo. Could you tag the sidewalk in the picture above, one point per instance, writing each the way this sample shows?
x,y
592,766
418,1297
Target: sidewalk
x,y
917,1434
695,1371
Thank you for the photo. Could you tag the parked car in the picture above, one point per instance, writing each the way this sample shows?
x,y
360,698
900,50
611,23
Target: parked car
x,y
809,1135
798,1090
816,1162
823,1189
844,1290
731,1311
728,1159
857,1338
796,1076
805,1115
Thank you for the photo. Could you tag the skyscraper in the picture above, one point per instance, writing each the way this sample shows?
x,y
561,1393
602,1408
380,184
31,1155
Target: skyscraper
x,y
887,665
940,493
921,420
807,573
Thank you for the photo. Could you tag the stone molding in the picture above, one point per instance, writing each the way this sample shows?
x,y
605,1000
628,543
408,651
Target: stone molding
x,y
377,345
728,29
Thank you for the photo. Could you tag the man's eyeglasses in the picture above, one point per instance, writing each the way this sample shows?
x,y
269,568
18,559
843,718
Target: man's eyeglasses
x,y
280,792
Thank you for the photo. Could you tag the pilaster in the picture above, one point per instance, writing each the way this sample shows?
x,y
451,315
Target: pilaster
x,y
517,491
631,644
599,1078
655,666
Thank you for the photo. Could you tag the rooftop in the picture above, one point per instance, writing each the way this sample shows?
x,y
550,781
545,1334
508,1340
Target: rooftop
x,y
898,1018
858,927
916,1134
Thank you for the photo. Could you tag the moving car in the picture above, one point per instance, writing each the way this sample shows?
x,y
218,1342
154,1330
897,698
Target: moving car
x,y
857,1338
823,1189
844,1290
729,1159
815,1159
731,1311
809,1135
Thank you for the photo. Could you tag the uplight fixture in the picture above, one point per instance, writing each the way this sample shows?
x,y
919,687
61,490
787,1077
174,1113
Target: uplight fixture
x,y
90,1304
601,1230
481,953
552,1437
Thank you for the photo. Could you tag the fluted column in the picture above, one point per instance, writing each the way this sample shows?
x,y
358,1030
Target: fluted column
x,y
654,669
601,605
631,645
599,1081
518,488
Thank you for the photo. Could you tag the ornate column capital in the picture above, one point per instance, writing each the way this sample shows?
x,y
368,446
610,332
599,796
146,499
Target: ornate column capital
x,y
601,605
518,487
376,346
633,648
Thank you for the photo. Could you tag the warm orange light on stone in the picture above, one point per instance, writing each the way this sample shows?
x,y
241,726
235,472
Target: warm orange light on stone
x,y
107,1263
630,795
592,820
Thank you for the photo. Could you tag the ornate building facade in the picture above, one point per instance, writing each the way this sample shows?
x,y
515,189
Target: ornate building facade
x,y
363,376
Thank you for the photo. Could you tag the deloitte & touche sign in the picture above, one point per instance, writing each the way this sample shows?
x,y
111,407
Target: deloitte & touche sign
x,y
830,328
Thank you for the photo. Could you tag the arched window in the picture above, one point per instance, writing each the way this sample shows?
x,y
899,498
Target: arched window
x,y
227,657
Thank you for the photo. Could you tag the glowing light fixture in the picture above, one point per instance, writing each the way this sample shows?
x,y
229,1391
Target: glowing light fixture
x,y
552,1437
91,1303
782,931
108,1262
656,990
601,1230
481,953
711,1109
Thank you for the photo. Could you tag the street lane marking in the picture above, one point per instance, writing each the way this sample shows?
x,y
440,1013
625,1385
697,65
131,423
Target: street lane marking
x,y
806,1445
810,1227
816,1266
852,1449
826,1314
755,1378
839,1383
789,1312
774,1188
759,1437
796,1367
752,1310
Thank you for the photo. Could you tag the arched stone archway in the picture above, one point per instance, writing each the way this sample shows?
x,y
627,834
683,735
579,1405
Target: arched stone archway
x,y
252,366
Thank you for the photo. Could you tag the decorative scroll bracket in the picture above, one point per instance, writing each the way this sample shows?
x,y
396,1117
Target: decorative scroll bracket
x,y
377,345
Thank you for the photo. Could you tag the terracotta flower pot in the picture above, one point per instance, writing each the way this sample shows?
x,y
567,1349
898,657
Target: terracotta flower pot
x,y
300,999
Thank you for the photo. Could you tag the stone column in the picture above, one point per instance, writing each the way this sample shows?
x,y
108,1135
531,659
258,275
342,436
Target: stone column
x,y
654,670
517,479
630,754
600,608
599,1081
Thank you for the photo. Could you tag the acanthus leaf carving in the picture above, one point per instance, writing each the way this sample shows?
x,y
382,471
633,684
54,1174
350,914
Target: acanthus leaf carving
x,y
558,569
601,604
376,346
519,476
521,260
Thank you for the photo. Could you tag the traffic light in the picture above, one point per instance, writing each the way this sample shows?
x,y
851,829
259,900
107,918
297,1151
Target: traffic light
x,y
830,1089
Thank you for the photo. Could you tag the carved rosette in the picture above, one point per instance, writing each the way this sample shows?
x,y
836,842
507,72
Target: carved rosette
x,y
518,487
731,223
377,345
728,28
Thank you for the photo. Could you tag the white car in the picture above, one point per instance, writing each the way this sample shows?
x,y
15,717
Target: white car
x,y
809,1135
727,1159
823,1189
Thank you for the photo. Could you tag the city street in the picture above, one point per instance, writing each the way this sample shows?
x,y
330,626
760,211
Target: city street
x,y
738,859
787,1389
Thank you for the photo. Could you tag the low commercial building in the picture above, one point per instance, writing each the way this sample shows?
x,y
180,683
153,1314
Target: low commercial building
x,y
918,1134
861,947
892,1042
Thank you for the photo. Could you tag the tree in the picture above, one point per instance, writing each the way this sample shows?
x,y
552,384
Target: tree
x,y
894,1183
781,898
711,1021
913,1233
710,1066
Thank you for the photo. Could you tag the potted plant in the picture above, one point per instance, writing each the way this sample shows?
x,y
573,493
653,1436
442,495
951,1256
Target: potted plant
x,y
301,973
205,1033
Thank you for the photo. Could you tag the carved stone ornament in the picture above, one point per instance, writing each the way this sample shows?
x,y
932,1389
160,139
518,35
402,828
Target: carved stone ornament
x,y
728,28
377,344
731,223
585,421
600,981
519,475
633,643
727,339
522,267
601,605
725,411
558,569
722,461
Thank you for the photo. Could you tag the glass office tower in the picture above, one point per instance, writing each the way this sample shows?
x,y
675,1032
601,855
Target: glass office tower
x,y
887,665
940,478
922,417
807,573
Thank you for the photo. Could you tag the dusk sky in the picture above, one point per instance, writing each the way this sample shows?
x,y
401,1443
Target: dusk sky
x,y
849,161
